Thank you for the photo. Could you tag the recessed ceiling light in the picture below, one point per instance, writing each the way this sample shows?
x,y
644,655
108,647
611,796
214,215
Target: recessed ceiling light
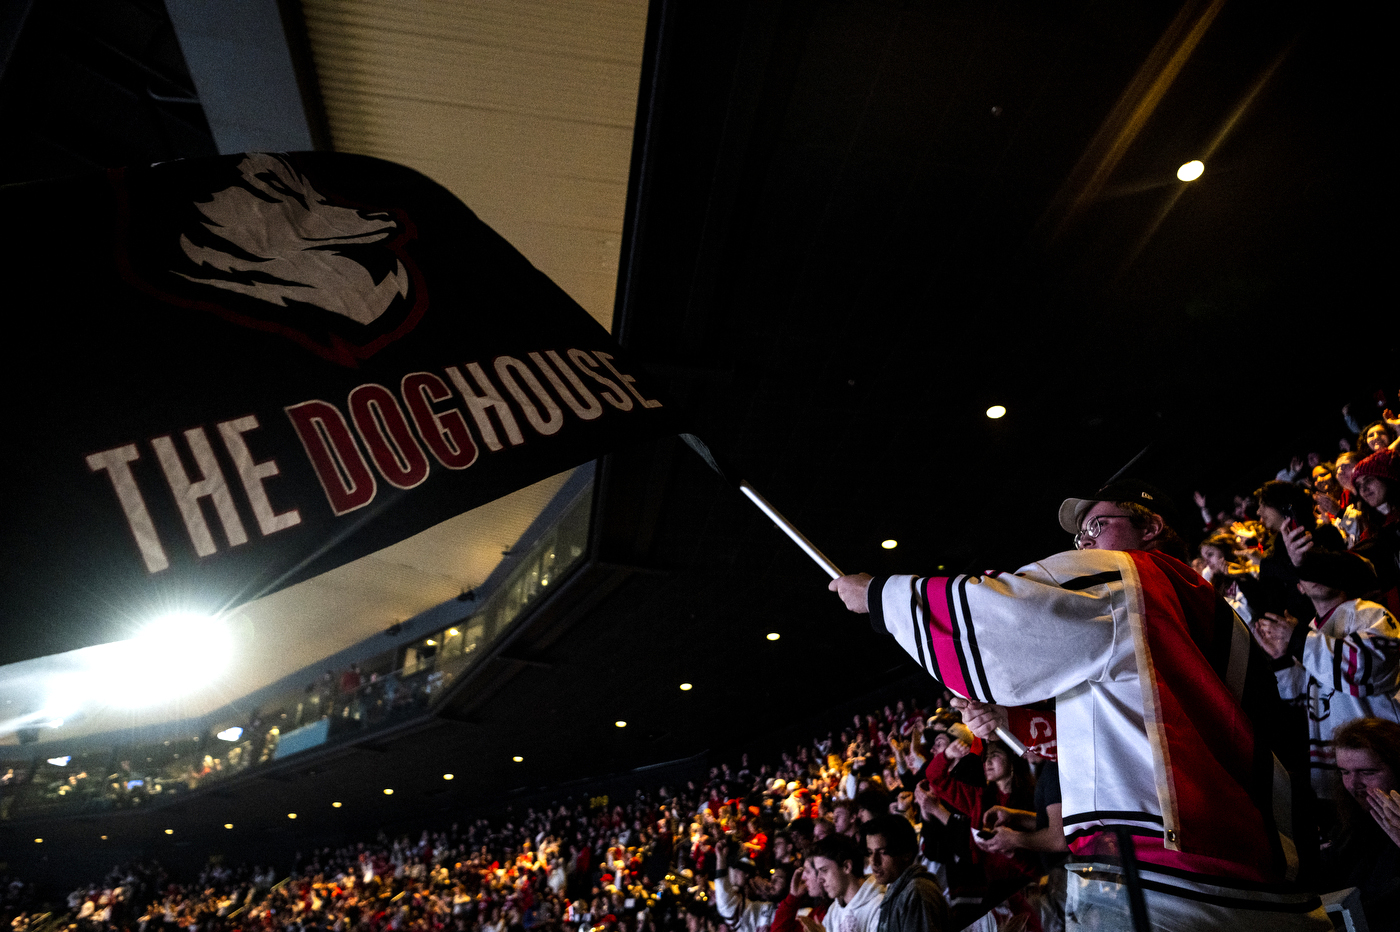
x,y
996,411
517,758
170,831
388,792
773,636
226,825
291,815
620,723
686,687
1191,170
448,776
889,544
335,805
38,841
104,837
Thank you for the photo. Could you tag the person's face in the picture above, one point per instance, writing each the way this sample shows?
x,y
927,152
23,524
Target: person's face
x,y
1323,480
996,767
1316,590
737,878
864,815
1344,475
1214,559
779,882
781,849
940,743
830,875
1372,489
841,820
1271,518
1116,532
883,867
1377,438
1363,770
809,876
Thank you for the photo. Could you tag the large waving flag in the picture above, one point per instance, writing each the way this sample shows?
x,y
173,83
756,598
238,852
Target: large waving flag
x,y
239,372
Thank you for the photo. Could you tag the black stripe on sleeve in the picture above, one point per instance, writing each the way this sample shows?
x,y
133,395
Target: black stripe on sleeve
x,y
874,597
918,607
1108,815
1089,582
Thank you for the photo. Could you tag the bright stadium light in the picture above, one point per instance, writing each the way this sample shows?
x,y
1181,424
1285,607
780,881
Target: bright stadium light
x,y
60,761
230,734
996,411
1191,170
171,657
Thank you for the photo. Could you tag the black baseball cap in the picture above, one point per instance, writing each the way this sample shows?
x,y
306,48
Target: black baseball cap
x,y
1125,490
1347,572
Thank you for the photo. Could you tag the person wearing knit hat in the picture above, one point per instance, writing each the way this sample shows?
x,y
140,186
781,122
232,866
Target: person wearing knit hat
x,y
1376,471
1342,666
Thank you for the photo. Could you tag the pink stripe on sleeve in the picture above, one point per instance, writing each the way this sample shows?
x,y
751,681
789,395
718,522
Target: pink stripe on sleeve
x,y
940,635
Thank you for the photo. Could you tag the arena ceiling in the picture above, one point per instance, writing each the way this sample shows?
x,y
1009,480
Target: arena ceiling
x,y
840,231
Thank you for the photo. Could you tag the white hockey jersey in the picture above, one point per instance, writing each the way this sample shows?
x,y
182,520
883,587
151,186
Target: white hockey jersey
x,y
1349,669
1154,690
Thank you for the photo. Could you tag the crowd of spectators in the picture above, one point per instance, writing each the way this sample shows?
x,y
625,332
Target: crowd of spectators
x,y
905,819
739,843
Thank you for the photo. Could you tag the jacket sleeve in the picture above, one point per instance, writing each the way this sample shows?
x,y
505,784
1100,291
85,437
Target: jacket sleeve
x,y
923,908
956,794
1009,638
1363,661
785,916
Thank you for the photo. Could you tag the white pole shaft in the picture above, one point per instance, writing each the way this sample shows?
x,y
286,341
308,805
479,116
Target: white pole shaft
x,y
786,527
820,559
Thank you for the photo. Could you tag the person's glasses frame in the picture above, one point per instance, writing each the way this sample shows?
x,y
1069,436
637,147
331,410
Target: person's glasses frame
x,y
1092,528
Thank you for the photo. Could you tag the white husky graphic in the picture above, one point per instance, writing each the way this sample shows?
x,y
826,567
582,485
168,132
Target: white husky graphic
x,y
276,224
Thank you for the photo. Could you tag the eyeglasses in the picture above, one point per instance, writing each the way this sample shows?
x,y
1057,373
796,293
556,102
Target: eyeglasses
x,y
1092,530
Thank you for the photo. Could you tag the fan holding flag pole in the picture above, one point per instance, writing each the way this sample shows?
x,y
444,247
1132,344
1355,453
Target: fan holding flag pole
x,y
1174,802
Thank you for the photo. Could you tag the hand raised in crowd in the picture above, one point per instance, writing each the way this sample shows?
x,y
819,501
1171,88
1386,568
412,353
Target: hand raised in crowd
x,y
981,718
1385,806
957,749
797,886
854,591
1298,541
929,805
1328,504
1273,633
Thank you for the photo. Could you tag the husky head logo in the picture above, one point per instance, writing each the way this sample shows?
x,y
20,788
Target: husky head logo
x,y
277,238
293,245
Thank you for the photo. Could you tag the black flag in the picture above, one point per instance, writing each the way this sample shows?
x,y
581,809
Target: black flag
x,y
240,372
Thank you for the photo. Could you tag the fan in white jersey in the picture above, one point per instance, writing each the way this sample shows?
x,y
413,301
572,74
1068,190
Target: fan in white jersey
x,y
1158,688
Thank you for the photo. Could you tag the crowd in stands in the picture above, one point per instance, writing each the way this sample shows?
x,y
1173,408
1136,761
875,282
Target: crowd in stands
x,y
905,820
